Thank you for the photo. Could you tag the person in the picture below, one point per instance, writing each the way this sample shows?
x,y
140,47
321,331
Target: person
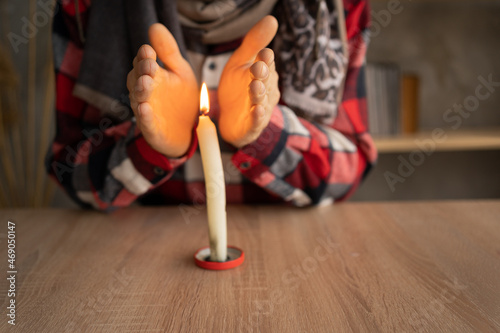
x,y
291,118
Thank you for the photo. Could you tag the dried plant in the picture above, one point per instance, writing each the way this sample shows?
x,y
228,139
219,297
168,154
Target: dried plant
x,y
25,125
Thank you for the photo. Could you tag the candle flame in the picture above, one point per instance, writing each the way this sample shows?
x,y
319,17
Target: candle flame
x,y
204,102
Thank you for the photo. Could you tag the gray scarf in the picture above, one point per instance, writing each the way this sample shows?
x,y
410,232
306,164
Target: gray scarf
x,y
115,31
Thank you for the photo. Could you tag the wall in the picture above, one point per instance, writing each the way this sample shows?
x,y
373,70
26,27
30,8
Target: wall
x,y
448,44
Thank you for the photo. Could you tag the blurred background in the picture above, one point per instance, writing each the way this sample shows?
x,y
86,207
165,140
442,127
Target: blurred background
x,y
433,102
426,60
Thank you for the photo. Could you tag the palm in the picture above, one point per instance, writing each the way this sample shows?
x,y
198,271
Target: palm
x,y
234,100
175,103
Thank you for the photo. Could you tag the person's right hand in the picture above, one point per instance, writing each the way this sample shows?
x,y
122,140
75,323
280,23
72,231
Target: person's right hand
x,y
164,101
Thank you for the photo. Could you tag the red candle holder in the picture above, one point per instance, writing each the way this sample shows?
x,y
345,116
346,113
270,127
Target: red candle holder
x,y
235,258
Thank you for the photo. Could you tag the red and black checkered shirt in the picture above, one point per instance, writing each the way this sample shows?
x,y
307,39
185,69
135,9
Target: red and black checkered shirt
x,y
104,163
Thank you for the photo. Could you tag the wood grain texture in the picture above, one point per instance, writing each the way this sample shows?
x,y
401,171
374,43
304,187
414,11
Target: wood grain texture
x,y
385,267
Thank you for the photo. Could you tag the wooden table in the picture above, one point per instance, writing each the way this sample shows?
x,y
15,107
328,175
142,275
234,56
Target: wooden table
x,y
388,267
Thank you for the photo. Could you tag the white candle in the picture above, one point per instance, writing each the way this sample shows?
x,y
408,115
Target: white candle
x,y
214,180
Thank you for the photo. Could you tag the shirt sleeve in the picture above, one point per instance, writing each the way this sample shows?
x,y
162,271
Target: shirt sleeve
x,y
307,163
100,161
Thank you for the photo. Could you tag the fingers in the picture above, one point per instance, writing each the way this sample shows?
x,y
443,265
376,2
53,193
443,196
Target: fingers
x,y
140,92
260,118
259,113
146,67
143,89
263,92
145,52
166,47
140,79
146,120
265,58
144,64
261,109
257,92
267,55
131,78
259,70
264,81
260,75
256,39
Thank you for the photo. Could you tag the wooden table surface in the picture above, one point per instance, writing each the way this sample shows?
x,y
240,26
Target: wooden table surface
x,y
354,267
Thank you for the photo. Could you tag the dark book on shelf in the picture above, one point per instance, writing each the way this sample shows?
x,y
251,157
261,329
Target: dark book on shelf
x,y
383,82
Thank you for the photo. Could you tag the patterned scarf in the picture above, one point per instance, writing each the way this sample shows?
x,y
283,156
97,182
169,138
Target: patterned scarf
x,y
311,57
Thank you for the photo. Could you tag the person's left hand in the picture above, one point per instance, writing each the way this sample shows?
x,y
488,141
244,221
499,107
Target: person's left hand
x,y
248,89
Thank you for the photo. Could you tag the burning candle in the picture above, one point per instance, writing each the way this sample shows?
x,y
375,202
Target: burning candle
x,y
214,180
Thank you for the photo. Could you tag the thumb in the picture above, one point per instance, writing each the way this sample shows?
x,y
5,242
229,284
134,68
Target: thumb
x,y
256,39
163,42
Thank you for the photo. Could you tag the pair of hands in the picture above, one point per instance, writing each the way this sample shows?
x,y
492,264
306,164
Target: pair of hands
x,y
166,101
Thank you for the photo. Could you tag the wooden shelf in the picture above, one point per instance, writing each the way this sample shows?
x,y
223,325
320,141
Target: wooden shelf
x,y
487,139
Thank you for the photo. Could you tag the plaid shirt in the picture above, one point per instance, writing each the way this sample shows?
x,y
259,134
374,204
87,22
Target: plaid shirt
x,y
105,163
